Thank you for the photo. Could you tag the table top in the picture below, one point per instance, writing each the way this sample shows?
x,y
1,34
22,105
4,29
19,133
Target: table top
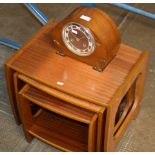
x,y
38,60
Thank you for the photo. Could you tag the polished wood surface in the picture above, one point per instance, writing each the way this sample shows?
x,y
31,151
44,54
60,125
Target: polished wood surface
x,y
38,58
58,123
60,95
105,32
45,91
63,108
73,139
115,132
37,65
11,91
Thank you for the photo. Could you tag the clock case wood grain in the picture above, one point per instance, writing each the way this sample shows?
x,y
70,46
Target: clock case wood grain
x,y
104,30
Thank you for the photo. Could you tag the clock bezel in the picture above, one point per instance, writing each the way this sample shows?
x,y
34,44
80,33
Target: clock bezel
x,y
88,31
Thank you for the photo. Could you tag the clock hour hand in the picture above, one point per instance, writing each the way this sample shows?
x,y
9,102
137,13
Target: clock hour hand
x,y
77,39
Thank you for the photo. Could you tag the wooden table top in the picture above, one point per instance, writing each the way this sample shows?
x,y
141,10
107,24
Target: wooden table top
x,y
38,60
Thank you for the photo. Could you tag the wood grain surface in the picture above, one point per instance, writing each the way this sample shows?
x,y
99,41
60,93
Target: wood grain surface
x,y
58,123
38,64
59,106
61,95
38,59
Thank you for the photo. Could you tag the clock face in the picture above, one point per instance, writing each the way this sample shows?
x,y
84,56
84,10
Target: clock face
x,y
78,39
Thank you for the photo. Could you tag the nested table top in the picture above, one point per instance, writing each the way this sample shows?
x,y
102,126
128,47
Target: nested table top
x,y
38,60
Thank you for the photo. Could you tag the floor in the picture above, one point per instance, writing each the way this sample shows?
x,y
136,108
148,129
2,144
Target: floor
x,y
18,24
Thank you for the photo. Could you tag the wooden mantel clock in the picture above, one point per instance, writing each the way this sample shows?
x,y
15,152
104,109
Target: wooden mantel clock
x,y
60,99
88,35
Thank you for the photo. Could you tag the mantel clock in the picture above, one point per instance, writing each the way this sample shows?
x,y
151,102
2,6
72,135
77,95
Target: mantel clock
x,y
88,35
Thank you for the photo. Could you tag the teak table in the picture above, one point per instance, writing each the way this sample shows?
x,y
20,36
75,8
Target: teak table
x,y
69,105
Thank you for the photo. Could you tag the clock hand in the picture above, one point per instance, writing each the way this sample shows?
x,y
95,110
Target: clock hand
x,y
81,37
73,35
77,39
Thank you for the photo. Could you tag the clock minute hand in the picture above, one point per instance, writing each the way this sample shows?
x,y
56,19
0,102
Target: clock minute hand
x,y
81,37
73,35
77,38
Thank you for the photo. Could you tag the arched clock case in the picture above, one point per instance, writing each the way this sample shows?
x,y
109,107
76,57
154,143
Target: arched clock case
x,y
88,35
